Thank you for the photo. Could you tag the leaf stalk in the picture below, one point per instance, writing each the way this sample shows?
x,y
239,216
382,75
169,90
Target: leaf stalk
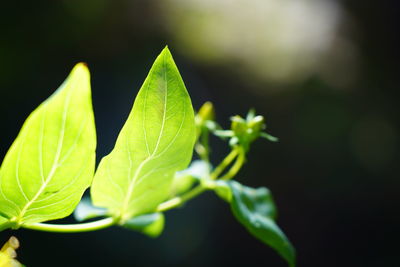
x,y
72,228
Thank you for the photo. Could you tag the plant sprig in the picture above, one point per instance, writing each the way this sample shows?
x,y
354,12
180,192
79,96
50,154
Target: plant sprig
x,y
51,163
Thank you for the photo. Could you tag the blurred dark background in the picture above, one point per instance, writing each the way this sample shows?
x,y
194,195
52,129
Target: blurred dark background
x,y
323,72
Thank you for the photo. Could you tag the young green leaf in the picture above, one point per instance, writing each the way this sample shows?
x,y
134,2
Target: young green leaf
x,y
156,141
255,209
150,224
184,180
259,200
222,189
85,210
51,162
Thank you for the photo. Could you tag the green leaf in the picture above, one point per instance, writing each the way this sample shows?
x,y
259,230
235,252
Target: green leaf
x,y
51,162
254,208
85,210
4,223
222,189
150,224
184,180
258,200
197,169
156,141
181,183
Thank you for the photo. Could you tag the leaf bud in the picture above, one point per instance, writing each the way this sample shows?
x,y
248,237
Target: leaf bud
x,y
206,112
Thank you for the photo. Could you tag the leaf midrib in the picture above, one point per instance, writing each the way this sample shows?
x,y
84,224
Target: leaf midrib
x,y
143,163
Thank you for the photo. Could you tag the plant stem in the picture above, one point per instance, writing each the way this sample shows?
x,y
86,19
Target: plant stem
x,y
177,201
225,162
204,141
72,228
202,146
236,166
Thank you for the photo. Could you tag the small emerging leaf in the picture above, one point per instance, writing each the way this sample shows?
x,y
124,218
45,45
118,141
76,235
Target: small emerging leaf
x,y
223,190
197,169
185,179
205,113
156,141
181,183
150,224
255,209
85,210
51,162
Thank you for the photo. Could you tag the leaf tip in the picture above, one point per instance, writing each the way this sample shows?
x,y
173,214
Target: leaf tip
x,y
166,52
81,65
81,68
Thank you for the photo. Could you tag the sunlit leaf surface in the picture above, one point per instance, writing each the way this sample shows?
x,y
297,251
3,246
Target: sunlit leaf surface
x,y
51,162
156,141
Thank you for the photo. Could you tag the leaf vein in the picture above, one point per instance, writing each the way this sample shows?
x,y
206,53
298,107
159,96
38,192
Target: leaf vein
x,y
56,158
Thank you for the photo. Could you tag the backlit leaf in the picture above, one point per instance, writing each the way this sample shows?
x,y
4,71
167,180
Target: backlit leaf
x,y
4,223
51,162
156,141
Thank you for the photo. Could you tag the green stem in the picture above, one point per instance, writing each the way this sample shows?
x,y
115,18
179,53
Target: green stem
x,y
205,143
235,167
222,166
200,150
202,146
72,228
178,201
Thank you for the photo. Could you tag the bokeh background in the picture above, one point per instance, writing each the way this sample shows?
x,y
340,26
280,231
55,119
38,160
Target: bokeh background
x,y
325,73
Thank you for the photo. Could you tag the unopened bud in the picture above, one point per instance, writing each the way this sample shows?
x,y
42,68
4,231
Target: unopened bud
x,y
238,126
206,112
257,124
